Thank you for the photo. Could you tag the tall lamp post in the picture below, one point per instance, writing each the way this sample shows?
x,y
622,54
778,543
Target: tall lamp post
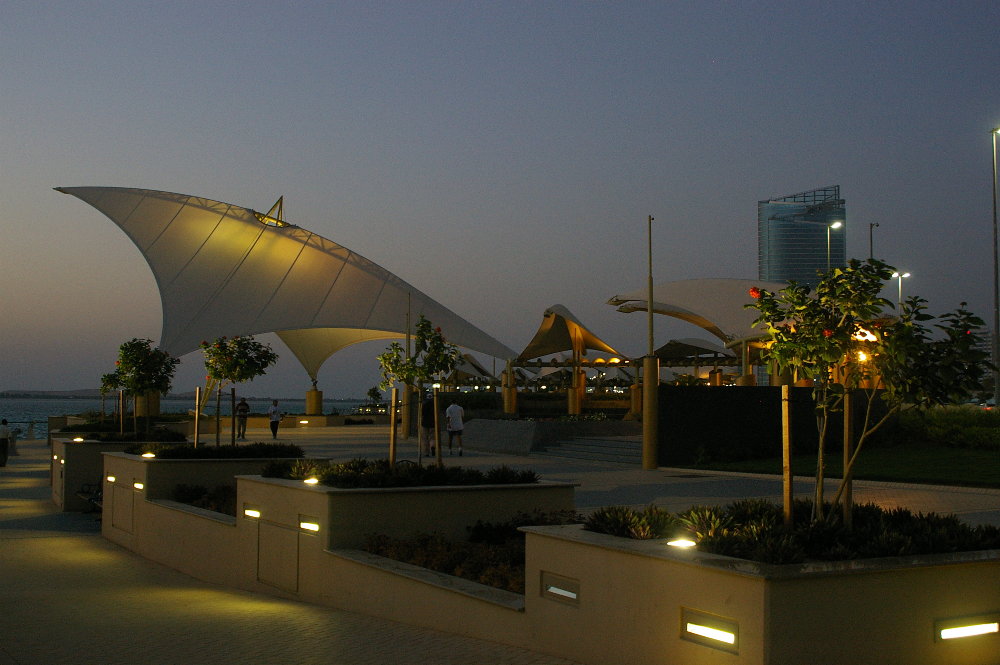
x,y
871,239
650,375
830,227
899,297
996,281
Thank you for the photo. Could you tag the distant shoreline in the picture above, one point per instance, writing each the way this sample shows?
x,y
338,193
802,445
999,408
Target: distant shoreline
x,y
86,394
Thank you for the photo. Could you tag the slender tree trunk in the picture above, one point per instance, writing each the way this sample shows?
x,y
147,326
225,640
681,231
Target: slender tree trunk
x,y
218,416
232,417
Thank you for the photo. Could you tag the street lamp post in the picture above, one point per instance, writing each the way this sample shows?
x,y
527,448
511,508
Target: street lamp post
x,y
899,297
996,281
871,239
650,376
835,225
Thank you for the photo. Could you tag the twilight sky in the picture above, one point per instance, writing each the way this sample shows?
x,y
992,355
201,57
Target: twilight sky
x,y
500,156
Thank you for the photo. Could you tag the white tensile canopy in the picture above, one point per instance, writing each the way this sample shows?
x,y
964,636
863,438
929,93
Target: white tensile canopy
x,y
717,305
226,270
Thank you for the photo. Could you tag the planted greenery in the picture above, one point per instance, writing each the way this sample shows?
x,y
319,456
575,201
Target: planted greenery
x,y
379,473
492,555
220,499
249,451
753,529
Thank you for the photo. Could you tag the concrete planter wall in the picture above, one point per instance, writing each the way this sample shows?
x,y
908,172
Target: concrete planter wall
x,y
590,597
583,587
74,464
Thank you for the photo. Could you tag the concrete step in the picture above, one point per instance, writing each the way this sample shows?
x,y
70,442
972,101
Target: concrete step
x,y
622,450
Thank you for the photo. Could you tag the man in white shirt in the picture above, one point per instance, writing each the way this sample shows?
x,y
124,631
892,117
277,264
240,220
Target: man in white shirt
x,y
454,413
274,415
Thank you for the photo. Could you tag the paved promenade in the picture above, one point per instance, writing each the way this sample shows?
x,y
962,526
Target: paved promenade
x,y
71,598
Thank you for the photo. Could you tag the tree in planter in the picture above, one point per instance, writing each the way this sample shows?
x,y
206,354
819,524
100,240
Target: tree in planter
x,y
234,360
109,384
433,357
841,337
139,370
374,395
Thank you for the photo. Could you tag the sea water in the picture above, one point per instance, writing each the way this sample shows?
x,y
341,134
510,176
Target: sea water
x,y
30,415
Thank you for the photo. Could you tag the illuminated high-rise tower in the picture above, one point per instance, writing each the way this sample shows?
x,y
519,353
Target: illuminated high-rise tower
x,y
801,235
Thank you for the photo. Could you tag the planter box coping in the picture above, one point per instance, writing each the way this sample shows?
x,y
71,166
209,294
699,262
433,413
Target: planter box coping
x,y
505,599
689,556
195,510
164,460
390,490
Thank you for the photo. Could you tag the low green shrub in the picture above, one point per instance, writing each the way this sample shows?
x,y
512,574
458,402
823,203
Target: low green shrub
x,y
949,426
248,451
493,554
358,473
220,499
754,529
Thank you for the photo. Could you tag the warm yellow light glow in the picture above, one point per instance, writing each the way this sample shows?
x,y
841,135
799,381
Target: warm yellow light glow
x,y
970,631
862,357
711,633
111,479
863,335
303,422
309,526
615,360
836,225
62,461
55,457
138,486
250,512
681,542
149,454
311,481
78,439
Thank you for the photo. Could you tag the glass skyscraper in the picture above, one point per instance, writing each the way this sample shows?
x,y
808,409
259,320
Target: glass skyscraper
x,y
792,235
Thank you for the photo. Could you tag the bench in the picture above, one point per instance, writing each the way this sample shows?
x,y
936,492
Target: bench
x,y
92,493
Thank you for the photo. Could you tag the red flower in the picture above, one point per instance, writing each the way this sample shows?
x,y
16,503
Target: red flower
x,y
755,293
438,329
827,332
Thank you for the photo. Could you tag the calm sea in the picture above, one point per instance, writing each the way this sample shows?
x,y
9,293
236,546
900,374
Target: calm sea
x,y
26,413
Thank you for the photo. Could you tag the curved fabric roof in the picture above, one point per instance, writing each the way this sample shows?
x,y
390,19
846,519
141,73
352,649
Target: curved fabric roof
x,y
717,305
561,331
226,270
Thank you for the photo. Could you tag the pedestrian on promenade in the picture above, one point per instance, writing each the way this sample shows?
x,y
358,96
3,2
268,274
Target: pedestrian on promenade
x,y
242,413
454,413
428,441
12,446
274,415
4,441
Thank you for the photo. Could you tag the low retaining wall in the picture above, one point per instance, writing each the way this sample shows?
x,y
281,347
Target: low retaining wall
x,y
74,464
876,610
589,597
520,437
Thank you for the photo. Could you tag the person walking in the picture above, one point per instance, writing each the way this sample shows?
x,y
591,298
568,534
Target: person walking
x,y
242,413
4,441
454,413
428,440
274,415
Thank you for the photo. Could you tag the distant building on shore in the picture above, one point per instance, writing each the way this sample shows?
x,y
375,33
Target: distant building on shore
x,y
798,235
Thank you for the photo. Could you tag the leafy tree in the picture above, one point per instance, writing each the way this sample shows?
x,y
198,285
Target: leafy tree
x,y
139,370
235,360
109,384
374,395
433,357
842,337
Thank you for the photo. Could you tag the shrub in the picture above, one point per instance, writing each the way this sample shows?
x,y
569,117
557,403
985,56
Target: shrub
x,y
358,473
754,530
249,451
652,522
493,554
220,499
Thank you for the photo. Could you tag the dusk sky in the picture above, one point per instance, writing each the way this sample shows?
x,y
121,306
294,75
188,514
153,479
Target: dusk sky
x,y
500,156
